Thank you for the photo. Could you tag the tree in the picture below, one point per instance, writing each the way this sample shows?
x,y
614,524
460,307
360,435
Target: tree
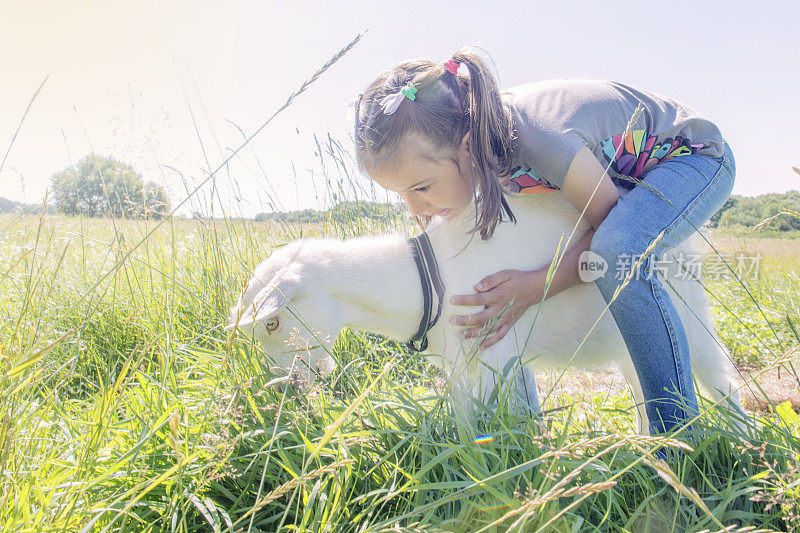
x,y
751,211
729,203
102,186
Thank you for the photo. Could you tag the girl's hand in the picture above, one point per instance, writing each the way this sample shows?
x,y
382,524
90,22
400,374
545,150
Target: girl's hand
x,y
520,288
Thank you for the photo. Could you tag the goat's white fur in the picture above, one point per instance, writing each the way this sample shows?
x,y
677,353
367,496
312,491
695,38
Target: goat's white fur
x,y
372,284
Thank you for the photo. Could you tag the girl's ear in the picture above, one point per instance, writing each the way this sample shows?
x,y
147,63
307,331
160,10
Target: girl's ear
x,y
465,141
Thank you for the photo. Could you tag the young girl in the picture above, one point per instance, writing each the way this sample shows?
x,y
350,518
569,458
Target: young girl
x,y
442,136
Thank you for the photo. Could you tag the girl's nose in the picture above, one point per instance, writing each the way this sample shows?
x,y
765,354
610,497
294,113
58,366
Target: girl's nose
x,y
415,207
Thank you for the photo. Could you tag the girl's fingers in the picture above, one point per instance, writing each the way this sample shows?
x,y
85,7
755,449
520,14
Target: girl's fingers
x,y
492,281
477,320
471,332
477,299
480,330
494,339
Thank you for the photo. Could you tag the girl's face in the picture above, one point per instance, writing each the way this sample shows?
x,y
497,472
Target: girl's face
x,y
428,181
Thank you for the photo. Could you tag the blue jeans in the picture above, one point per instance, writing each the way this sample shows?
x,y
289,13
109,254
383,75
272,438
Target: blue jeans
x,y
696,187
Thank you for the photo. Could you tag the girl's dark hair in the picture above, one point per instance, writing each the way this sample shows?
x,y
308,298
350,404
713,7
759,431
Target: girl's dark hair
x,y
447,106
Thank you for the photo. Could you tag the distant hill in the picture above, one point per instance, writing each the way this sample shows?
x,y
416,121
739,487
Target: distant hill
x,y
7,206
741,211
341,212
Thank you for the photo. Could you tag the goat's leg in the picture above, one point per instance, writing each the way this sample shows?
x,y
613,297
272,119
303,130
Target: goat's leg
x,y
460,362
502,365
475,372
527,398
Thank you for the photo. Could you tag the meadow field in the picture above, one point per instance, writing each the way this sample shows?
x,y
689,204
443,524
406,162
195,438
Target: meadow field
x,y
124,406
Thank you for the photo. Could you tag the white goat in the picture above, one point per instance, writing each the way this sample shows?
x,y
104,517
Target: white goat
x,y
372,284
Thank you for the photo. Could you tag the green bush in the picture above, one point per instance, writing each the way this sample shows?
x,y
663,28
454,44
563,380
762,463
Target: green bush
x,y
750,212
102,186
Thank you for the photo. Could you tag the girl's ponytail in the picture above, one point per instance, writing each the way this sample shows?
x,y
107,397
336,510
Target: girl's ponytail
x,y
490,126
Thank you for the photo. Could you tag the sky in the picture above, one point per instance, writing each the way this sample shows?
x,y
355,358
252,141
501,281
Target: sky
x,y
171,86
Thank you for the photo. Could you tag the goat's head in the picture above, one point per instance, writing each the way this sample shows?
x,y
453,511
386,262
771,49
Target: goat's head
x,y
286,308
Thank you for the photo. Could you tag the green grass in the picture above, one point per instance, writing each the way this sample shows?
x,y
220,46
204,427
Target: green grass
x,y
757,316
124,406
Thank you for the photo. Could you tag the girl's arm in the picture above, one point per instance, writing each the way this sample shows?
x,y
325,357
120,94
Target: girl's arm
x,y
567,274
526,288
582,177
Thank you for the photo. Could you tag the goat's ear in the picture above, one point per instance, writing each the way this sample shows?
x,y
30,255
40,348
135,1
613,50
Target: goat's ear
x,y
266,303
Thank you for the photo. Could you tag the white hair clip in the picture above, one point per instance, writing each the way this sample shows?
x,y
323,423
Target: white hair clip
x,y
391,102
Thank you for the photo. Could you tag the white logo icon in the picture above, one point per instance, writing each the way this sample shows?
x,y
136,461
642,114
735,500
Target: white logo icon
x,y
591,266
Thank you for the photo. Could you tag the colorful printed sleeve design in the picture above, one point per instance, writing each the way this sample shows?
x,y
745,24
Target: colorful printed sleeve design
x,y
638,152
528,182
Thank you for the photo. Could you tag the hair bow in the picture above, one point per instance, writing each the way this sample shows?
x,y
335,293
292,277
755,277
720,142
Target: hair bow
x,y
391,102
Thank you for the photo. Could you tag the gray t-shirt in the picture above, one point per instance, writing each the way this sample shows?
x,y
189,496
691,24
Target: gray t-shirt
x,y
554,119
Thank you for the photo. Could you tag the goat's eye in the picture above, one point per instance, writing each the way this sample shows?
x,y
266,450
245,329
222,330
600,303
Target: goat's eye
x,y
272,324
423,189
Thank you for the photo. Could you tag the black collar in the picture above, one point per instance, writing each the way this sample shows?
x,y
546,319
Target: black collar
x,y
428,270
